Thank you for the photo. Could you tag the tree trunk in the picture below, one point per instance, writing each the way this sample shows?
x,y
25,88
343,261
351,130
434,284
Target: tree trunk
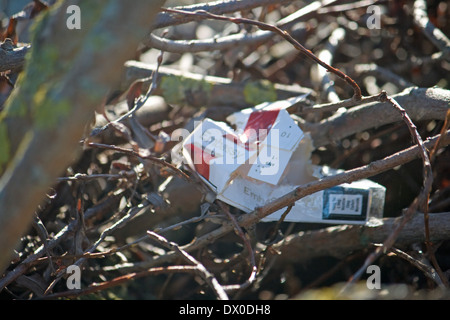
x,y
67,74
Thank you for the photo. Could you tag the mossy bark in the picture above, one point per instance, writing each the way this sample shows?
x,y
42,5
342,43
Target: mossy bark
x,y
67,74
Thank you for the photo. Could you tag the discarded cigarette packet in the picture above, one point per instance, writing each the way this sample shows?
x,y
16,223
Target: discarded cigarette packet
x,y
266,156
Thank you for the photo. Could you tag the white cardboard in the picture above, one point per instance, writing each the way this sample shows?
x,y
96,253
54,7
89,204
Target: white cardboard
x,y
266,157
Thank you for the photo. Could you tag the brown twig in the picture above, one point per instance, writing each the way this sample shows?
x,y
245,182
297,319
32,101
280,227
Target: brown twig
x,y
43,234
158,161
264,26
348,103
420,103
428,243
419,203
96,287
249,219
31,259
321,75
206,275
426,269
165,19
118,224
340,241
273,234
65,232
248,246
444,128
234,40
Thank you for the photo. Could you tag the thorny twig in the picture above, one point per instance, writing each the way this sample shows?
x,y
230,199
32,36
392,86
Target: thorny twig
x,y
420,202
265,26
165,19
428,243
225,42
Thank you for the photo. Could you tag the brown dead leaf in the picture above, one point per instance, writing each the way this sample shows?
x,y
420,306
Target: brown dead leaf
x,y
28,13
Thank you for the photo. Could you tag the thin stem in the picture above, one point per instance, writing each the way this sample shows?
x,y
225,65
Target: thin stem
x,y
247,244
419,202
208,277
264,26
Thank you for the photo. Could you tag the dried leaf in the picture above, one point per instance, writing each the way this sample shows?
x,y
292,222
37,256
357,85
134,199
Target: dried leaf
x,y
30,11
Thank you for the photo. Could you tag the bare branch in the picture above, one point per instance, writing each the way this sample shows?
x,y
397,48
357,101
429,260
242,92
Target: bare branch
x,y
207,276
248,246
419,203
333,106
348,176
205,90
96,287
339,241
165,19
320,75
222,43
381,74
420,104
226,42
436,36
282,33
429,271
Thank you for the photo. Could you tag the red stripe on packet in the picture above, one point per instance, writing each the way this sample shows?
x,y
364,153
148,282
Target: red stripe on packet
x,y
196,154
261,119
